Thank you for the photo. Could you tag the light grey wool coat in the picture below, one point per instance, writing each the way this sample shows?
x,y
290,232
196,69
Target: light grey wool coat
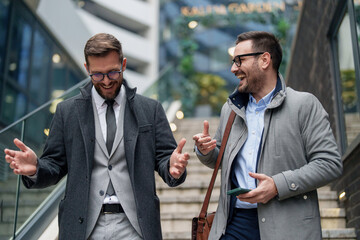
x,y
298,151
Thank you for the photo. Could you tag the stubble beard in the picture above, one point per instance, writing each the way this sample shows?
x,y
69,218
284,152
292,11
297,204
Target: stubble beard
x,y
253,83
107,97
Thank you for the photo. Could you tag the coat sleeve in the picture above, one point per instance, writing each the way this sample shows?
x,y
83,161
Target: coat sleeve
x,y
52,166
323,159
165,144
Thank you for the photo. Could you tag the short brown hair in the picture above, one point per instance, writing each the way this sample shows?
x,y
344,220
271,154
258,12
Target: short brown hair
x,y
102,44
264,42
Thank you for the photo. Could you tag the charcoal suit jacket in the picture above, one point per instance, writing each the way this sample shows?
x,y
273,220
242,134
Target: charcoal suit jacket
x,y
69,150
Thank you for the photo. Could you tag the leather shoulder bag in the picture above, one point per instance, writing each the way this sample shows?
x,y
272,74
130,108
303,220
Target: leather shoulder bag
x,y
201,225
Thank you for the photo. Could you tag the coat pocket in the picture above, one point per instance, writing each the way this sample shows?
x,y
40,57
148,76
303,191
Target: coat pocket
x,y
145,128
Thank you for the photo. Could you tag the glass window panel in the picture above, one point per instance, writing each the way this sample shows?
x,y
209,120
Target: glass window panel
x,y
59,71
74,78
20,50
4,21
41,64
349,93
13,106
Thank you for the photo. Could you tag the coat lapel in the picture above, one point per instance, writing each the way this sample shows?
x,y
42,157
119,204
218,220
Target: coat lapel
x,y
130,129
85,115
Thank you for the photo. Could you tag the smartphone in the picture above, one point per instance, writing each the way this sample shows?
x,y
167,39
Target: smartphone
x,y
237,191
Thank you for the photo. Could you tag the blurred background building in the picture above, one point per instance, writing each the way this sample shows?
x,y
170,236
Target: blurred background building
x,y
42,42
197,40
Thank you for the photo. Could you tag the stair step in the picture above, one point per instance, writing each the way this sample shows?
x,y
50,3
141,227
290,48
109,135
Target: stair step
x,y
333,218
339,234
328,234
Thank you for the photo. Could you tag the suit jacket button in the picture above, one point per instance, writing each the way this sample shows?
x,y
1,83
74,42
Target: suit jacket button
x,y
293,185
81,220
101,192
305,197
110,167
263,220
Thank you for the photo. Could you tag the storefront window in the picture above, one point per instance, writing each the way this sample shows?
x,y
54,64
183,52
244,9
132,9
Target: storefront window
x,y
349,93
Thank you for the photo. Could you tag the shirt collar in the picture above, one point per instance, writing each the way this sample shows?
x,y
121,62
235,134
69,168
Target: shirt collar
x,y
264,101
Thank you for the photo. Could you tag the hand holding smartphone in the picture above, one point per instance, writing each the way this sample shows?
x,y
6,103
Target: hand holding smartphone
x,y
237,191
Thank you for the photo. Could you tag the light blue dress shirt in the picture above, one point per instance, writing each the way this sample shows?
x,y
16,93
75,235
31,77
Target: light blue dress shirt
x,y
246,160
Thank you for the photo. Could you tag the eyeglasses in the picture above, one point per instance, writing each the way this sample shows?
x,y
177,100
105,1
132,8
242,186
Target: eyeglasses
x,y
113,75
237,59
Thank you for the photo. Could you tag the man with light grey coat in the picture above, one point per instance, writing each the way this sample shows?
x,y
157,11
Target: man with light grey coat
x,y
280,146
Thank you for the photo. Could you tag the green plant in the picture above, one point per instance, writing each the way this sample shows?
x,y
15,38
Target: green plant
x,y
211,90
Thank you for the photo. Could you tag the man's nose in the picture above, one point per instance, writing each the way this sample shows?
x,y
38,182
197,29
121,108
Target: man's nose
x,y
106,79
234,68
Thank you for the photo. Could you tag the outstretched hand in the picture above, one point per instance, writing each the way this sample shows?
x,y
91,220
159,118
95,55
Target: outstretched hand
x,y
265,191
203,141
178,160
22,162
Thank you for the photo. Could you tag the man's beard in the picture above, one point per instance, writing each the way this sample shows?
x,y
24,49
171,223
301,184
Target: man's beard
x,y
254,83
99,90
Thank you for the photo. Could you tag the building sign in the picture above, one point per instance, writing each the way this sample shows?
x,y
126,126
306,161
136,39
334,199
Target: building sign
x,y
237,8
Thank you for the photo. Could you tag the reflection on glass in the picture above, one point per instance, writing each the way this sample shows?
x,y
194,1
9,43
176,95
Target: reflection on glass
x,y
348,81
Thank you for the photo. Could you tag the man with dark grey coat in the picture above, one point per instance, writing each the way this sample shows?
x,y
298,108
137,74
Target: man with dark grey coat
x,y
280,146
108,140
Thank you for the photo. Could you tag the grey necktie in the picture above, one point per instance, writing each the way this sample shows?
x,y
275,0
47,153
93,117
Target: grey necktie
x,y
110,125
110,135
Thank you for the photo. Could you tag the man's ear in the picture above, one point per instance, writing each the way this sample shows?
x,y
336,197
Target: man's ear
x,y
86,67
266,60
124,64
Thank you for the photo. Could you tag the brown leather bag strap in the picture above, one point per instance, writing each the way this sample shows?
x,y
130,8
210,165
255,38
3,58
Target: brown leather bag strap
x,y
216,169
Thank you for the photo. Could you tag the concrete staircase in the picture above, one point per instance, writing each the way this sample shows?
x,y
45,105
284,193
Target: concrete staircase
x,y
179,205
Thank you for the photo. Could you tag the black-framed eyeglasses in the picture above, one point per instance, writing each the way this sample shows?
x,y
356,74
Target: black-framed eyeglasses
x,y
113,75
237,59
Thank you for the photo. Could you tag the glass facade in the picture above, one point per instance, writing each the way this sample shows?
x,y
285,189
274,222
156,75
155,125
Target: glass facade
x,y
35,68
347,40
197,38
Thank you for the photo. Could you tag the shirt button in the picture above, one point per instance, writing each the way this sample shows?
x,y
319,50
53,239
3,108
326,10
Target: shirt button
x,y
305,197
81,220
253,132
110,167
101,193
263,220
